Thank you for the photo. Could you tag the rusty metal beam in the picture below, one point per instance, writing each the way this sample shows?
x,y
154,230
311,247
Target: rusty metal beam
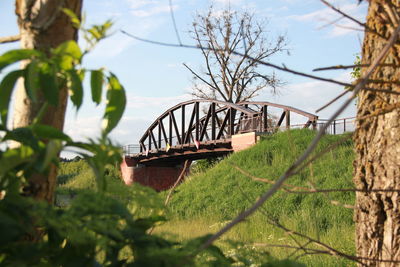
x,y
189,131
197,106
213,119
281,119
287,119
153,139
205,123
176,128
183,124
265,117
222,127
295,110
163,131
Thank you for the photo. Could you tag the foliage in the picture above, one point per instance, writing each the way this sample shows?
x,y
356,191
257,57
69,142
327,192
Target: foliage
x,y
226,75
356,73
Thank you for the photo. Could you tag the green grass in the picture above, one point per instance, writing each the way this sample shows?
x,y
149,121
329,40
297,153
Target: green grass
x,y
77,177
207,200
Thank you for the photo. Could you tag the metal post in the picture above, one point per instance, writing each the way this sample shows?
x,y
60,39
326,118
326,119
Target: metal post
x,y
213,121
334,127
170,129
344,125
265,118
183,124
231,121
287,119
148,136
159,134
197,120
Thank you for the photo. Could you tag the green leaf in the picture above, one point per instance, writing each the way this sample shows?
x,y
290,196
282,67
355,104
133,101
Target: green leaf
x,y
76,89
53,147
48,132
23,135
48,83
13,56
68,54
6,88
31,80
70,48
96,83
13,157
116,101
74,18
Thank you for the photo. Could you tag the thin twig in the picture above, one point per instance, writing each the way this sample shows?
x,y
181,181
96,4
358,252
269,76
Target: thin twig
x,y
171,11
333,100
342,67
171,191
362,24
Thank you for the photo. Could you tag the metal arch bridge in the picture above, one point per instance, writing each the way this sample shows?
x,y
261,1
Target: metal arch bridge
x,y
182,132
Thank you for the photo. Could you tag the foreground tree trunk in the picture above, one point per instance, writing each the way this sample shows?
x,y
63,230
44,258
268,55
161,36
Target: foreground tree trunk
x,y
377,143
42,26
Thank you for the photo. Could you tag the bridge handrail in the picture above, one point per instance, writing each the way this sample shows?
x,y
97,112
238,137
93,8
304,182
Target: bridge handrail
x,y
311,116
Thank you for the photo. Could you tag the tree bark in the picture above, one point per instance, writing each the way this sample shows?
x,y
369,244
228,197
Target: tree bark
x,y
377,145
43,26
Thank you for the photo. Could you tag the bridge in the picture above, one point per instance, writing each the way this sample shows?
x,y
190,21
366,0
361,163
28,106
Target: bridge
x,y
199,129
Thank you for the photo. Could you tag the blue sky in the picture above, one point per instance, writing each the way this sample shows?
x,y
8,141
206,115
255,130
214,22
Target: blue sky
x,y
155,78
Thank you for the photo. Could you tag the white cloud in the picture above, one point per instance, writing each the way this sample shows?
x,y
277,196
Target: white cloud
x,y
328,17
309,96
152,11
234,2
82,128
148,8
111,46
162,103
141,3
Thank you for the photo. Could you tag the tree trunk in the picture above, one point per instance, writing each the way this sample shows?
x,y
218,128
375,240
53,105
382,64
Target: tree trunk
x,y
377,145
43,26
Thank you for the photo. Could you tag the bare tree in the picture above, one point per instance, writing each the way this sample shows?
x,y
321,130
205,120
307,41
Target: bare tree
x,y
226,75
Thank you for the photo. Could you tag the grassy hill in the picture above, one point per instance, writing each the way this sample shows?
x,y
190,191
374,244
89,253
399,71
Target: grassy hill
x,y
207,200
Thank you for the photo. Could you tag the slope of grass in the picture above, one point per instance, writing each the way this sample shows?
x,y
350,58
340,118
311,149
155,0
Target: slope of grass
x,y
77,177
225,191
206,201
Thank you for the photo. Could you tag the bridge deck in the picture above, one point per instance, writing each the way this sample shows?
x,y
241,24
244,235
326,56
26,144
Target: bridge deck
x,y
179,153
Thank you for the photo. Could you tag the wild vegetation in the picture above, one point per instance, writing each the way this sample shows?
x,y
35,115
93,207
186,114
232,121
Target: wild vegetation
x,y
209,198
97,228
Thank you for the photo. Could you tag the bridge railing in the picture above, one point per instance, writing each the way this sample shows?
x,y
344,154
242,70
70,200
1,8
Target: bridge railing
x,y
257,123
339,126
131,149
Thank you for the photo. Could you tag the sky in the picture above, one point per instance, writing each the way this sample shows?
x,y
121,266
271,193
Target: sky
x,y
154,76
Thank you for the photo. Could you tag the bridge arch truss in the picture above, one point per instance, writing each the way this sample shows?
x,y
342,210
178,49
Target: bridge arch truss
x,y
211,122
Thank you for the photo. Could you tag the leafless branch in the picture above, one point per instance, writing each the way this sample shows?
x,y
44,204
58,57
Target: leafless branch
x,y
171,191
340,67
171,11
10,39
